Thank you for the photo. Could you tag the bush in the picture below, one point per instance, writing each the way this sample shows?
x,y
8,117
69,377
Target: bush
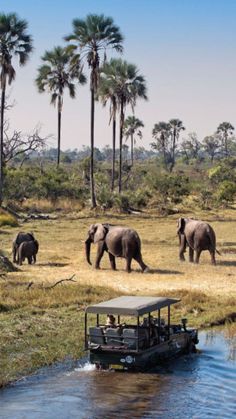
x,y
226,192
7,219
170,187
122,201
105,197
50,184
221,173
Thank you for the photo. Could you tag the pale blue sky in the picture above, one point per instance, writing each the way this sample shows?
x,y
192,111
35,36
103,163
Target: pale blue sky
x,y
186,49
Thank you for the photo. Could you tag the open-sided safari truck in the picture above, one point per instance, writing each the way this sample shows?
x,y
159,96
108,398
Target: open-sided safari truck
x,y
139,342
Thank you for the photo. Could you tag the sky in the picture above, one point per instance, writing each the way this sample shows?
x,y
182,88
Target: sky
x,y
186,49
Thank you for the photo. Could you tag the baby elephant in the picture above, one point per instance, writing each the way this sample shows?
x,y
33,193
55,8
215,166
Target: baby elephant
x,y
28,250
20,238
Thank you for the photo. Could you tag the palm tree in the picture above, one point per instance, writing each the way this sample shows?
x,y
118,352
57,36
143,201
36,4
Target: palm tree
x,y
130,86
14,42
175,127
224,130
95,35
132,127
107,92
161,133
57,74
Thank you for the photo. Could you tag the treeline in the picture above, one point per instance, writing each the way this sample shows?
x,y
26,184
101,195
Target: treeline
x,y
146,185
177,166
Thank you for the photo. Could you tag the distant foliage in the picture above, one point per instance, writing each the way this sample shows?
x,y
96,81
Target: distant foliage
x,y
171,187
50,184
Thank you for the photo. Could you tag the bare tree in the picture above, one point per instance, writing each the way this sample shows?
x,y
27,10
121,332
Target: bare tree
x,y
19,144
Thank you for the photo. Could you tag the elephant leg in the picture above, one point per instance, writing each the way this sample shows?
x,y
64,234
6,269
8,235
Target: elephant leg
x,y
213,260
182,247
198,253
112,261
14,254
29,260
128,264
100,251
34,258
141,262
191,254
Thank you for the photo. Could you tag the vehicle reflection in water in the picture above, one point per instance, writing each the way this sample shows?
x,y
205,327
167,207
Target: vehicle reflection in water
x,y
194,386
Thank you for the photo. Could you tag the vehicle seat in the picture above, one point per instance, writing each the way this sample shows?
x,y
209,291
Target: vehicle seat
x,y
96,335
113,336
143,337
129,336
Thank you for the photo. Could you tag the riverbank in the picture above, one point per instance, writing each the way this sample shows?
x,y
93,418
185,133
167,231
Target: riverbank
x,y
42,323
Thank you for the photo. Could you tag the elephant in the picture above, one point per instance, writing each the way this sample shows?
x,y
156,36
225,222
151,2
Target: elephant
x,y
20,238
118,241
199,236
28,249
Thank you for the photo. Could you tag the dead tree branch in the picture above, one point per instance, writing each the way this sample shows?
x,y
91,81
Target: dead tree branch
x,y
59,282
18,144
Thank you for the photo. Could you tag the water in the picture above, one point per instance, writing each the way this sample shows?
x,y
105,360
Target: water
x,y
201,385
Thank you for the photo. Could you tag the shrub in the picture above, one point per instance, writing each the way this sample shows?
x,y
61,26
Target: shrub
x,y
7,219
122,201
170,187
226,192
105,197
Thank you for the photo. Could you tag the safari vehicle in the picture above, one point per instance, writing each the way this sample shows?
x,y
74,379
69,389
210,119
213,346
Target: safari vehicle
x,y
140,343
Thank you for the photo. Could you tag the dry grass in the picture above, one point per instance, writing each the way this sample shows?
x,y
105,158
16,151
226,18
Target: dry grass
x,y
40,326
45,205
61,254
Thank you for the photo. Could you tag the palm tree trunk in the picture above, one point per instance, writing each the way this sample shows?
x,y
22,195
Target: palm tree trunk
x,y
121,142
113,149
1,139
173,152
92,191
132,149
59,132
226,145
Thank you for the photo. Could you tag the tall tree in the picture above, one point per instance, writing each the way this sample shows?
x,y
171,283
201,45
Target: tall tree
x,y
132,129
107,91
14,42
191,146
225,130
55,76
211,145
130,86
161,133
94,35
176,126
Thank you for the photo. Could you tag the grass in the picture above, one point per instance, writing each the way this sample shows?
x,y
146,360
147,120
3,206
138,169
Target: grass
x,y
40,326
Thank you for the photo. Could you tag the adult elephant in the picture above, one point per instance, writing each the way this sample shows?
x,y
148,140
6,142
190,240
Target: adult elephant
x,y
199,236
20,238
118,242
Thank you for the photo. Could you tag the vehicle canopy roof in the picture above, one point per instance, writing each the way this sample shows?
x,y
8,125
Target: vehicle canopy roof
x,y
131,305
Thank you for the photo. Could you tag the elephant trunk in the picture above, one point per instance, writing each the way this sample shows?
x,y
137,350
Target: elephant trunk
x,y
87,250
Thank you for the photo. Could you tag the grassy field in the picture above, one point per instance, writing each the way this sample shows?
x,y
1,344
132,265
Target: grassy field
x,y
40,325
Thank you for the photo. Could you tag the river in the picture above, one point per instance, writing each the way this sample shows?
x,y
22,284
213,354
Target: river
x,y
199,385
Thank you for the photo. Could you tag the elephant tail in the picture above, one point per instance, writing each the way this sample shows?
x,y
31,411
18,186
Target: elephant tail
x,y
217,251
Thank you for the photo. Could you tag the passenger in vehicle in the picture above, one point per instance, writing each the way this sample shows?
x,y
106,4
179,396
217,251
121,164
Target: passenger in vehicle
x,y
111,321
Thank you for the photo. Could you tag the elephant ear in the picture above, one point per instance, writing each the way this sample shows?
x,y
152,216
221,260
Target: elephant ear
x,y
100,233
181,225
